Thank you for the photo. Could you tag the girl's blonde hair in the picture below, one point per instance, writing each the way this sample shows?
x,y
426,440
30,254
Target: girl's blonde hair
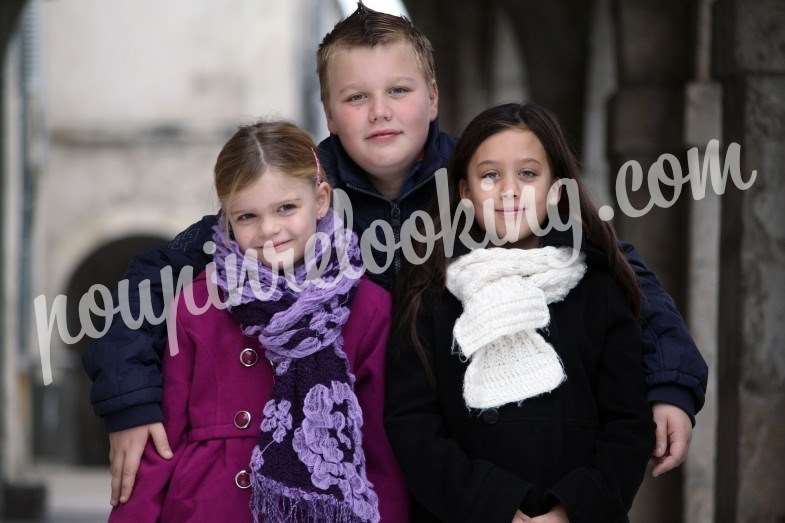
x,y
255,148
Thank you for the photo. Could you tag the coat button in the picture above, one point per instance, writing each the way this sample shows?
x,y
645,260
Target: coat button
x,y
242,419
242,479
490,416
249,357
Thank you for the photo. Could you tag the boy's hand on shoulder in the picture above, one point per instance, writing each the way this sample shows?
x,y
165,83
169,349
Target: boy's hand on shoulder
x,y
125,453
674,432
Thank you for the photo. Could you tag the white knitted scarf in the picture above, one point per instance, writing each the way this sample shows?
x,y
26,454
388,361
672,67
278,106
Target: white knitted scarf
x,y
505,295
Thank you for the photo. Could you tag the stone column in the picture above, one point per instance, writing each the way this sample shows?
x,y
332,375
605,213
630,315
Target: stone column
x,y
554,40
462,38
646,119
472,49
703,122
23,499
749,45
9,14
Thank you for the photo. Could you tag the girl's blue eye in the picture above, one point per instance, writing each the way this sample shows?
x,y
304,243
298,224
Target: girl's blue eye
x,y
528,173
244,217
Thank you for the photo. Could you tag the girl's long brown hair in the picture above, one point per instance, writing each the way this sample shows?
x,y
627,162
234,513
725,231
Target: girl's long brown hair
x,y
415,281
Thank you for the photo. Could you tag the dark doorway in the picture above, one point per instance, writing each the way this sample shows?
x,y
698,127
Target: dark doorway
x,y
66,429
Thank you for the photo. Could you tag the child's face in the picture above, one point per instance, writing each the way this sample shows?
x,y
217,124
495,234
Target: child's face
x,y
510,173
380,106
279,211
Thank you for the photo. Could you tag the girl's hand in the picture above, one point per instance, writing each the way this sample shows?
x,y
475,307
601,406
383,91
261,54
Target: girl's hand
x,y
125,453
556,515
520,517
674,432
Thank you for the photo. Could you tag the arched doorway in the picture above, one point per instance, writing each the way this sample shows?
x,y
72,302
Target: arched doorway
x,y
65,428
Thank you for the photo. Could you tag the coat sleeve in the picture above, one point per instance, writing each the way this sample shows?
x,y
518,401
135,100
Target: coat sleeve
x,y
383,470
154,474
676,373
442,477
605,491
124,365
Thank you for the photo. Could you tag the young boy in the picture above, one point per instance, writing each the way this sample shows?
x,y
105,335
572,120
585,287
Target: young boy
x,y
379,93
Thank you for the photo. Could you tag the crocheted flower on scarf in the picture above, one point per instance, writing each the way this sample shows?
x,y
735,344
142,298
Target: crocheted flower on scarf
x,y
277,418
322,443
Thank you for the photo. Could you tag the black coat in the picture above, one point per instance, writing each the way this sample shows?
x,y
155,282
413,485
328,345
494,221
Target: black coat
x,y
585,444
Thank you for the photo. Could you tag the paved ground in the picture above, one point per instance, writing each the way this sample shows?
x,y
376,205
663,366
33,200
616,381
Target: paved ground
x,y
74,495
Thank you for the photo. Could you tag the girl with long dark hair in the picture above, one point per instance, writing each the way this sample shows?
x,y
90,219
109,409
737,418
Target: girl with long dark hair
x,y
515,387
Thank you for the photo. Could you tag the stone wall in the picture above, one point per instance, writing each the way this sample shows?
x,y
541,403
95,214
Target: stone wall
x,y
750,61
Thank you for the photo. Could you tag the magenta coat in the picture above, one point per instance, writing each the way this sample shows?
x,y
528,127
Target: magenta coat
x,y
220,378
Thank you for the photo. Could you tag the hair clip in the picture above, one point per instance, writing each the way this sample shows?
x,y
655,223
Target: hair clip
x,y
318,167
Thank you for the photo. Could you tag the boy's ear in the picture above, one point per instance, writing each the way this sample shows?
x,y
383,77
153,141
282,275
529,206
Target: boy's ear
x,y
329,117
433,109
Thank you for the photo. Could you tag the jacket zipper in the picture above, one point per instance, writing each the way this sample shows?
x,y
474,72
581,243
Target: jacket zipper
x,y
396,225
395,213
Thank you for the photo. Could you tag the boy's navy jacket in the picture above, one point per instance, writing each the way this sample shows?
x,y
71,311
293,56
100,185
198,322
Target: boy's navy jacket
x,y
124,365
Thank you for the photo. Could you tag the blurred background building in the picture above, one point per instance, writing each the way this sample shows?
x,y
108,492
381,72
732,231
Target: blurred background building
x,y
112,113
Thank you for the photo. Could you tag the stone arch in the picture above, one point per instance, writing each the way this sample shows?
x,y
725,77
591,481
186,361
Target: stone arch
x,y
72,433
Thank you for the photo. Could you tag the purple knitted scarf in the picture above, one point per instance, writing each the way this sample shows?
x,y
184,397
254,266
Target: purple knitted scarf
x,y
309,463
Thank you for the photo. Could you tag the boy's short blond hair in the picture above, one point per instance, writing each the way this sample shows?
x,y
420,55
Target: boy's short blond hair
x,y
368,28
